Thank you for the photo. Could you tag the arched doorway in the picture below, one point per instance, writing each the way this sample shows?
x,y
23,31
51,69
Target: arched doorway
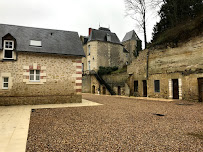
x,y
93,89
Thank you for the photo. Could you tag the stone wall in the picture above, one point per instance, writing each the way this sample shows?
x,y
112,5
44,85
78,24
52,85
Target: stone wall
x,y
115,81
60,79
103,54
110,55
183,63
130,45
86,84
96,84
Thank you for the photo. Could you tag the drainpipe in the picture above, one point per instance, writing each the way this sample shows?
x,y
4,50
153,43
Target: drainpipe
x,y
147,72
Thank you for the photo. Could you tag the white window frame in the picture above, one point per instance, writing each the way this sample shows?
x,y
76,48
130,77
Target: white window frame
x,y
5,44
10,49
35,75
5,83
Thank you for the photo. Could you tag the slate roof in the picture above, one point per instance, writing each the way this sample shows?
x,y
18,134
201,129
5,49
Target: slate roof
x,y
53,41
130,36
101,35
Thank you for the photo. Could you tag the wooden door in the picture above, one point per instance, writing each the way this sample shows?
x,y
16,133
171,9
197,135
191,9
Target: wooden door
x,y
144,88
175,89
200,86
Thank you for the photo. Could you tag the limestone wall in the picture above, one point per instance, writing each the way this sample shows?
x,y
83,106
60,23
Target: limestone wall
x,y
86,84
184,63
104,54
60,76
131,47
115,81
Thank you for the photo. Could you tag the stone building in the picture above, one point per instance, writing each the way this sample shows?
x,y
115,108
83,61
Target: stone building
x,y
103,48
172,73
133,44
39,66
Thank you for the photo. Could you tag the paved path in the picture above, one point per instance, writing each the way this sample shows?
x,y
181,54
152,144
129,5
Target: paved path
x,y
14,124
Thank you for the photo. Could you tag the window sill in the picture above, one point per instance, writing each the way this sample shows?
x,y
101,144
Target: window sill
x,y
37,82
8,58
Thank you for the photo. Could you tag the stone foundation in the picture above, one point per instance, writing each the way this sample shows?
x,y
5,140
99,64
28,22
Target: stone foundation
x,y
7,101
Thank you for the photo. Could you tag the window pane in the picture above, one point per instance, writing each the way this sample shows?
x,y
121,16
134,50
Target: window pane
x,y
37,71
5,79
10,44
157,85
8,54
31,77
31,71
37,77
5,85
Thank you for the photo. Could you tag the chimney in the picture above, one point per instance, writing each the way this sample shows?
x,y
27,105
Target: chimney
x,y
90,30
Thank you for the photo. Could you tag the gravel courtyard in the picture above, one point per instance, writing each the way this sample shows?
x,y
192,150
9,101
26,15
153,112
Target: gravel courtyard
x,y
120,124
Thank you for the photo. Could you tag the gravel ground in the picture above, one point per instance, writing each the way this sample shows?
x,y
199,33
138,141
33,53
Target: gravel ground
x,y
120,124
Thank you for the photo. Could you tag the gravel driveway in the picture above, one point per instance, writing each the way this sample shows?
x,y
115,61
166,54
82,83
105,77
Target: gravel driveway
x,y
120,124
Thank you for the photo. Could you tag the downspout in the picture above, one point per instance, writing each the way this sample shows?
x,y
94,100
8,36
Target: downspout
x,y
147,70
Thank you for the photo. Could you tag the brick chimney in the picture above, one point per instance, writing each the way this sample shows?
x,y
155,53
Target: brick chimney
x,y
90,30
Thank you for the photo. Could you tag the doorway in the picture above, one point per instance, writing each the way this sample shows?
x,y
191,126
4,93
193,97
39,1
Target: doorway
x,y
119,90
200,86
104,90
93,89
144,88
175,89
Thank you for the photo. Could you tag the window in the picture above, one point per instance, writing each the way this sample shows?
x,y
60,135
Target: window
x,y
88,49
89,65
135,86
8,49
34,75
156,85
108,37
35,43
8,45
5,83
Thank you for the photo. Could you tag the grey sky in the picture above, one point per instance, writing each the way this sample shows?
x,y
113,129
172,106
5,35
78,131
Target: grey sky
x,y
71,15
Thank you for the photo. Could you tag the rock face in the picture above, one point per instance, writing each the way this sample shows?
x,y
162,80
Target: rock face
x,y
178,70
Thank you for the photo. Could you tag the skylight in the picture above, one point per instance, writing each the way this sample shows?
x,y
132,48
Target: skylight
x,y
35,43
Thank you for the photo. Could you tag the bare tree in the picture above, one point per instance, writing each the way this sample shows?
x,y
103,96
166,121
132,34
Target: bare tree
x,y
137,10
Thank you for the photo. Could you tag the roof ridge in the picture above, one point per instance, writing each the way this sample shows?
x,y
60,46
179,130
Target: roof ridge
x,y
38,28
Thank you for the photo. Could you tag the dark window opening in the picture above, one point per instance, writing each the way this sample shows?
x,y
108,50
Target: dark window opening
x,y
8,54
156,85
135,86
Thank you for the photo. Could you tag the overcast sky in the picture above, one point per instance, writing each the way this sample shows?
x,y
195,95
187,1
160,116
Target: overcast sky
x,y
71,15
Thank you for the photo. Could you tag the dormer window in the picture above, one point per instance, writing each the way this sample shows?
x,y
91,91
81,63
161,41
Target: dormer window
x,y
108,37
8,49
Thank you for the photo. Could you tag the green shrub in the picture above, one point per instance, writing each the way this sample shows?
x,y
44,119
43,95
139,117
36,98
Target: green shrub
x,y
106,70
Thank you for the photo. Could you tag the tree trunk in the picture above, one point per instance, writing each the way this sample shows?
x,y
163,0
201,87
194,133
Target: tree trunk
x,y
144,28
